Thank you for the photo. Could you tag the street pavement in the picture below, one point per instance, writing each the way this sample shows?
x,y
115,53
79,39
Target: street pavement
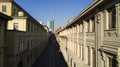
x,y
51,57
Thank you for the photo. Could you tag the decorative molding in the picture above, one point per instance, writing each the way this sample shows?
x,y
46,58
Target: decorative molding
x,y
110,33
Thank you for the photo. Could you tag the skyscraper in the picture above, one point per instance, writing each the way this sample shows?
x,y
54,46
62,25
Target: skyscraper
x,y
51,25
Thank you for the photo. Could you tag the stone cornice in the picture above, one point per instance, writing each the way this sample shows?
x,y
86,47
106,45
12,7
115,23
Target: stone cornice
x,y
5,16
89,8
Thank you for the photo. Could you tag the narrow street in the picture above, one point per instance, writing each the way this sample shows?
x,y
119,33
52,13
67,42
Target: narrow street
x,y
51,57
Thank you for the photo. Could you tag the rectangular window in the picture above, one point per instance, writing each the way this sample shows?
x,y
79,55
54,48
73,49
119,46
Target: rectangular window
x,y
15,12
93,58
93,24
89,55
111,61
18,46
27,58
71,62
28,44
112,17
4,8
31,55
82,52
87,25
28,27
74,65
15,26
31,43
31,28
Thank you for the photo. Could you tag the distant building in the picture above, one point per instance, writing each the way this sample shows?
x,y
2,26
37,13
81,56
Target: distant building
x,y
41,22
51,25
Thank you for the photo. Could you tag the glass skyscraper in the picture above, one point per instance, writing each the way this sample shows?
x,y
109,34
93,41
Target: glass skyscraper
x,y
51,25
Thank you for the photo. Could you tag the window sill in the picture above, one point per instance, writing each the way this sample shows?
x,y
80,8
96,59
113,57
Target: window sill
x,y
113,29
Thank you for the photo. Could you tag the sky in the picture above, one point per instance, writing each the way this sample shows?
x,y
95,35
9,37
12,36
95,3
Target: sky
x,y
58,10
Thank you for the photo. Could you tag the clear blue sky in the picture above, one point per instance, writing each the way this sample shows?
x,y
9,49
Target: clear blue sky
x,y
58,10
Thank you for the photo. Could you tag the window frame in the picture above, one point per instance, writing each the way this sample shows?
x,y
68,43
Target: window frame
x,y
4,8
112,17
15,26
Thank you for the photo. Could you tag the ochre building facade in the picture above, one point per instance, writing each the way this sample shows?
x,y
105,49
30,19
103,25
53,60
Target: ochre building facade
x,y
25,37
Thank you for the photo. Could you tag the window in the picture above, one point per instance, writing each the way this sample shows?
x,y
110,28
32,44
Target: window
x,y
31,55
0,27
22,43
74,65
87,25
27,58
112,17
71,62
31,43
4,8
82,47
31,28
28,44
15,12
28,27
93,57
20,46
15,26
81,28
111,62
89,55
93,24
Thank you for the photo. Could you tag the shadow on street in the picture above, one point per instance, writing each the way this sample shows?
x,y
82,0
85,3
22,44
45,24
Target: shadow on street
x,y
51,57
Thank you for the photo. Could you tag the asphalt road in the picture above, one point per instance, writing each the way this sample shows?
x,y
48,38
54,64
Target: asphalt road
x,y
51,57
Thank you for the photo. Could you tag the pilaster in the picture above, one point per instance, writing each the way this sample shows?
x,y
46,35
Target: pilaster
x,y
81,51
106,16
91,57
90,23
1,43
118,17
98,37
2,35
85,45
80,28
118,58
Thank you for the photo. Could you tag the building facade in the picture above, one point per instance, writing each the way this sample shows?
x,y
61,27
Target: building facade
x,y
26,37
51,25
3,25
92,39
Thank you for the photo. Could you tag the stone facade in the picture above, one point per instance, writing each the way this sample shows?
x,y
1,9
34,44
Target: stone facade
x,y
92,39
